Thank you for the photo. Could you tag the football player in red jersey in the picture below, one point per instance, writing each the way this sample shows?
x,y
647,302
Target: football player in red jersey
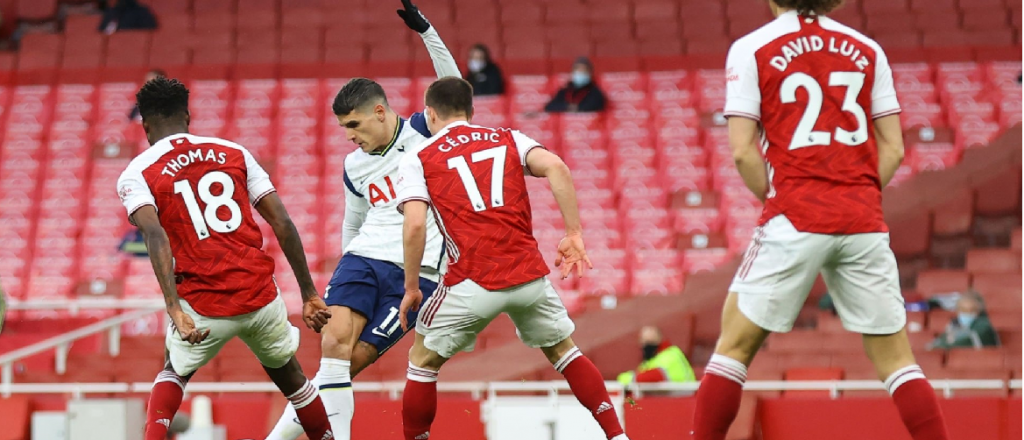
x,y
198,193
815,134
472,178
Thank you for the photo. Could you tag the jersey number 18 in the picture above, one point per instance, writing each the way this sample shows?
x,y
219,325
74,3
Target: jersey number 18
x,y
207,219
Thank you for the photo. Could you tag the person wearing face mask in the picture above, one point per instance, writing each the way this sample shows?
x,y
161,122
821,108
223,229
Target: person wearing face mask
x,y
483,74
970,328
581,94
662,361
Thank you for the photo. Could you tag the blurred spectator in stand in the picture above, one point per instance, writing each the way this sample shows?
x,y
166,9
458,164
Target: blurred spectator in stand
x,y
134,115
483,74
970,328
581,94
127,15
662,361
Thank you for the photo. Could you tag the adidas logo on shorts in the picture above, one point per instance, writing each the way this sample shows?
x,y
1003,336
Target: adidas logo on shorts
x,y
604,406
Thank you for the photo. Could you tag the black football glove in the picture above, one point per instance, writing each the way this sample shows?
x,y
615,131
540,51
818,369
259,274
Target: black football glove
x,y
413,17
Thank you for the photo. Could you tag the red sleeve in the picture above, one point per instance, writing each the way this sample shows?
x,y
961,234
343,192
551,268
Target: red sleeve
x,y
655,375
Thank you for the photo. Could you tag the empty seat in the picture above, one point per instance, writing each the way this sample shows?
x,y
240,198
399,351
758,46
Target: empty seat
x,y
981,261
931,282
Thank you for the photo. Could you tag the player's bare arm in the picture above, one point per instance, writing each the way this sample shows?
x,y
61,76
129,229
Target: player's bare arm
x,y
444,62
159,247
571,251
889,136
744,139
314,311
414,237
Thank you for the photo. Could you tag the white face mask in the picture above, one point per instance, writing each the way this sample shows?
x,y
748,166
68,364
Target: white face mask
x,y
580,78
476,65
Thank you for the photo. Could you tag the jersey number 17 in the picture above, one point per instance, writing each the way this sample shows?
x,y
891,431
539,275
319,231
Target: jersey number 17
x,y
497,157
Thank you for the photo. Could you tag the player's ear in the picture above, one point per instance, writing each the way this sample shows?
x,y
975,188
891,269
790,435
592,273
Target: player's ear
x,y
380,111
188,118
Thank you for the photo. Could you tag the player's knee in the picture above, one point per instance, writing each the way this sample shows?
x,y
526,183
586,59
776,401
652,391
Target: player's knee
x,y
555,352
335,347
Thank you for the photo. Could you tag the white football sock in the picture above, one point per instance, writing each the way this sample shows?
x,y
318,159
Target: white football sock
x,y
620,437
336,393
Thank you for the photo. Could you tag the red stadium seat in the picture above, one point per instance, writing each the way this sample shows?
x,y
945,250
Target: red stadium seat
x,y
942,281
816,374
981,261
36,10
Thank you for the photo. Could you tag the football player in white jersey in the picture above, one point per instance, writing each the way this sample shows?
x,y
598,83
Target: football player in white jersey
x,y
366,290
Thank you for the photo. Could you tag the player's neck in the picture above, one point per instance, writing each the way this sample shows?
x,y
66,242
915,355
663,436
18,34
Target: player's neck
x,y
446,122
391,122
157,133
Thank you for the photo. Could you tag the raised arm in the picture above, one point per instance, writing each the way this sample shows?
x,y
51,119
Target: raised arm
x,y
159,247
444,62
315,312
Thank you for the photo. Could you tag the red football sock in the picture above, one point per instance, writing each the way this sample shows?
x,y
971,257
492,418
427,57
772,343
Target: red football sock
x,y
718,398
419,403
310,411
164,400
919,408
586,383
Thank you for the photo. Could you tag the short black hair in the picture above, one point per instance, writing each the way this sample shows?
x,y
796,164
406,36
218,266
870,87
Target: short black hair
x,y
357,93
450,96
162,97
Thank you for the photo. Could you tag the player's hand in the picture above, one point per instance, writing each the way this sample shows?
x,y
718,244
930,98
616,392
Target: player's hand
x,y
187,328
572,253
413,17
411,301
315,313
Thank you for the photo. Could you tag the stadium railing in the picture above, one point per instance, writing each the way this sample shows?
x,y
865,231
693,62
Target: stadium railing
x,y
479,390
61,344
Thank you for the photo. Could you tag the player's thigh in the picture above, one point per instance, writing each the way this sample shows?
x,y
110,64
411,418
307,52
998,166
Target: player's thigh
x,y
451,320
865,287
540,318
355,285
777,272
385,329
186,358
338,338
269,334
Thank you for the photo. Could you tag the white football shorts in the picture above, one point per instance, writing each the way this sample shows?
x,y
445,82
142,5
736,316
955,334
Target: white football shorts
x,y
781,264
455,315
267,332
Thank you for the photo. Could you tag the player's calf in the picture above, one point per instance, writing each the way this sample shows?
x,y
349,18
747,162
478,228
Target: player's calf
x,y
914,397
304,399
586,384
164,400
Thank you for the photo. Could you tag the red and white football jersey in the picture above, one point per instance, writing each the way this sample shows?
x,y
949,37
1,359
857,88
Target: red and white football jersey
x,y
203,189
816,86
474,180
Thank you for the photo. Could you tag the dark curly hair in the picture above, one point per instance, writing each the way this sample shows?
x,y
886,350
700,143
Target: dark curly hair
x,y
162,97
815,6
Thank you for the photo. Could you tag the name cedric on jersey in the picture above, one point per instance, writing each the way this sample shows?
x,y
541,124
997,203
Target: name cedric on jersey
x,y
185,159
814,43
477,136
